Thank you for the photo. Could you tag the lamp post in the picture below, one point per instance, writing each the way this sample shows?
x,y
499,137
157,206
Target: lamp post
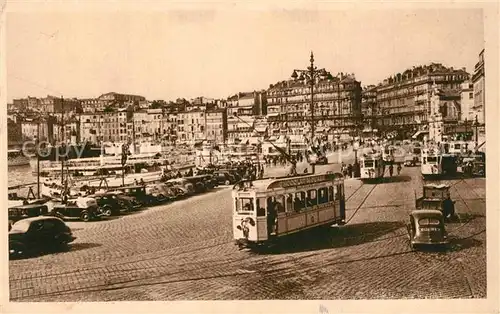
x,y
355,147
476,125
310,76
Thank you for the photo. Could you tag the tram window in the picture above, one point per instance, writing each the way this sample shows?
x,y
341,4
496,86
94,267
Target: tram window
x,y
431,159
368,163
244,205
299,201
424,160
331,193
289,203
312,198
338,194
280,203
322,196
261,203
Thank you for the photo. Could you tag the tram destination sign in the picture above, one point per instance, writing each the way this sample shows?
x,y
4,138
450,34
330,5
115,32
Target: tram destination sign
x,y
301,181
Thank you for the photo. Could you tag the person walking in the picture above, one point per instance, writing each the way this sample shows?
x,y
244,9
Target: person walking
x,y
391,169
349,170
399,168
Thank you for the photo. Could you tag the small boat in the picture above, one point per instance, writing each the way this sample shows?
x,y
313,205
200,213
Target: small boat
x,y
16,157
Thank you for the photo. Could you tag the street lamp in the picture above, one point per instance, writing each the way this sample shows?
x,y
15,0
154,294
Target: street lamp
x,y
355,147
476,124
310,76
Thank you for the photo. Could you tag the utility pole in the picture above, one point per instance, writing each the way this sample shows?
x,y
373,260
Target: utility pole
x,y
62,142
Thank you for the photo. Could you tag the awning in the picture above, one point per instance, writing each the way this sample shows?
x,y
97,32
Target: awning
x,y
419,133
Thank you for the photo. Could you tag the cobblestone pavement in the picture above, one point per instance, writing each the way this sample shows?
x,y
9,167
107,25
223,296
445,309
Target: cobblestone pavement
x,y
184,251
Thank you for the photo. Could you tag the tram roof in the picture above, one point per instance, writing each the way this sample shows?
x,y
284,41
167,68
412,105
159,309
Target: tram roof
x,y
299,180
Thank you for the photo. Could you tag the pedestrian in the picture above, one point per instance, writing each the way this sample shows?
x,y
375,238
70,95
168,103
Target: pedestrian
x,y
391,169
399,168
349,170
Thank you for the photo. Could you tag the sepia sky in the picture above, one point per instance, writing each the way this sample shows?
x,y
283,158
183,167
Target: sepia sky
x,y
218,53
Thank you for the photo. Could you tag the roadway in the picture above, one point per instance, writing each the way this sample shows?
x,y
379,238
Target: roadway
x,y
185,251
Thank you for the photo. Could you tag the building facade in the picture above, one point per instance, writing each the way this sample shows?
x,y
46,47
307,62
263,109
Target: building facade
x,y
479,92
404,100
99,127
369,107
467,101
337,106
216,125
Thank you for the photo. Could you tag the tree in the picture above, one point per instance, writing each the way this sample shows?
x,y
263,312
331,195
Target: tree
x,y
156,104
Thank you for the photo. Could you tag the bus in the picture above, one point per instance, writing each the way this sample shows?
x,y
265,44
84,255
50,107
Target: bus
x,y
268,209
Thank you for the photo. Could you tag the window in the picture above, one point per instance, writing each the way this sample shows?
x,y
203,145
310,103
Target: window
x,y
299,201
244,205
338,192
431,159
312,198
471,95
429,222
368,163
322,195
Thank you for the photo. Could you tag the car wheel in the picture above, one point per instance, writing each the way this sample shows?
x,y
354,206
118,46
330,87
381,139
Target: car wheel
x,y
227,182
107,211
85,216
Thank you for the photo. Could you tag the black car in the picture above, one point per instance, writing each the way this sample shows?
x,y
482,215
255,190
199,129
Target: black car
x,y
224,178
38,234
109,204
17,213
139,193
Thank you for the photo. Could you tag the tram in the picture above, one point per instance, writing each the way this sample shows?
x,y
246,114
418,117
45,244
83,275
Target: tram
x,y
372,166
268,209
434,163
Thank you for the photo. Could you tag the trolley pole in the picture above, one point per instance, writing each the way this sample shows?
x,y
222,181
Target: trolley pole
x,y
62,137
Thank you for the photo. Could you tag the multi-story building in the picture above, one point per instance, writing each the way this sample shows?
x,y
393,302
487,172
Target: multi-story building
x,y
113,97
31,128
247,104
479,92
467,101
90,105
147,124
106,126
404,100
241,127
191,126
337,105
369,107
14,132
216,125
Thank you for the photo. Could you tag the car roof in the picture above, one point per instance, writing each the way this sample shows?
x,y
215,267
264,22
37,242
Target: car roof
x,y
38,218
28,206
426,213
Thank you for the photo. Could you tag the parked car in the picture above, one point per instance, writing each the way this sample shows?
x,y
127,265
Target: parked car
x,y
161,192
84,208
199,183
427,228
224,178
126,201
37,234
17,213
183,184
139,193
108,203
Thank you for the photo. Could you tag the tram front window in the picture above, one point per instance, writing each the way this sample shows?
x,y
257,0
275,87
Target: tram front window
x,y
244,205
431,159
368,163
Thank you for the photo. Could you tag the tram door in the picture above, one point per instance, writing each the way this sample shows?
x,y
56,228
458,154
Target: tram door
x,y
261,223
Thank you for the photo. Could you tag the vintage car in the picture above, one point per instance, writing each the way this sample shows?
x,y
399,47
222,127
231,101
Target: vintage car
x,y
161,192
474,165
84,208
199,183
436,197
411,160
426,228
138,192
17,213
183,184
109,203
37,234
224,178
